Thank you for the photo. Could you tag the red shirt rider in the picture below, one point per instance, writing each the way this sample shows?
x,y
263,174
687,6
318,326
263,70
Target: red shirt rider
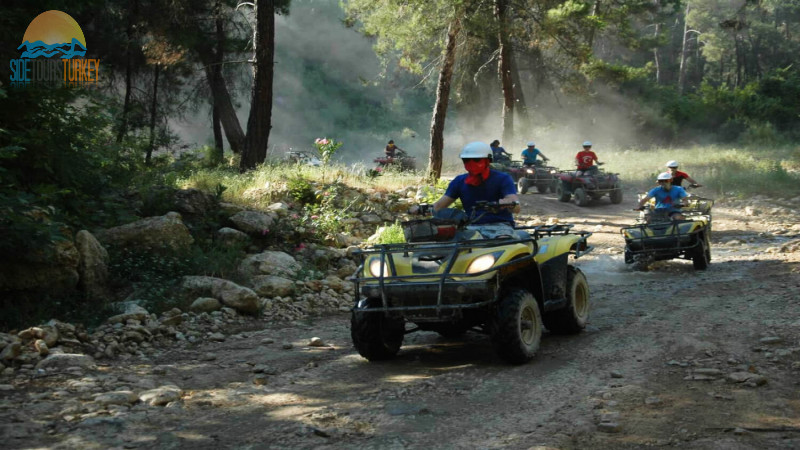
x,y
678,177
585,158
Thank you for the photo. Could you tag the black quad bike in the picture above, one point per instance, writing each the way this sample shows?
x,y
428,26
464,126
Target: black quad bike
x,y
544,178
657,237
401,161
586,186
451,276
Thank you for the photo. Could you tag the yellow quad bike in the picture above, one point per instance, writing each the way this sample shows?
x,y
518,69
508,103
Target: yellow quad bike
x,y
656,237
451,276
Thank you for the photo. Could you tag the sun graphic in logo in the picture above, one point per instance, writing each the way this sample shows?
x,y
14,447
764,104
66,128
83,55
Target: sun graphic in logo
x,y
53,32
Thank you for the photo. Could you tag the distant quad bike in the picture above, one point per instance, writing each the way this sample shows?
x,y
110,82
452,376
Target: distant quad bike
x,y
449,277
656,237
585,187
303,158
401,161
542,177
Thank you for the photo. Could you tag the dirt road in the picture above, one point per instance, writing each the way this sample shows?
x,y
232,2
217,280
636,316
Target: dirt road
x,y
671,358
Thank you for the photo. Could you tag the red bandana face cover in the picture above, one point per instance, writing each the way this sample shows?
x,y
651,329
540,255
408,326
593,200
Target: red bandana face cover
x,y
478,171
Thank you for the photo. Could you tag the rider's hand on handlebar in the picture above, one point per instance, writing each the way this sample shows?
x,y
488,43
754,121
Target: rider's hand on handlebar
x,y
422,210
640,208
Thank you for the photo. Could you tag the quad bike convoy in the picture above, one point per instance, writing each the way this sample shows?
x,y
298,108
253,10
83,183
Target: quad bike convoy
x,y
451,277
542,177
402,161
586,186
657,237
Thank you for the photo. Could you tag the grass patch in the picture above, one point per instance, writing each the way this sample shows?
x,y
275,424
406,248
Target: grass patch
x,y
393,234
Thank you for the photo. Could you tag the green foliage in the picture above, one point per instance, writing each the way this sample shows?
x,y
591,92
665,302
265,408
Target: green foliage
x,y
328,217
327,148
301,190
393,234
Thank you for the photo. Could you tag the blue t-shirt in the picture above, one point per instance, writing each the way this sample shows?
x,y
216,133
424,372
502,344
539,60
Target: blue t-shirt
x,y
498,151
530,155
497,186
667,199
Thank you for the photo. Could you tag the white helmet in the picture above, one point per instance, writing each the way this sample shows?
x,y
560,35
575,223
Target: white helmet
x,y
476,150
673,164
587,143
531,144
664,176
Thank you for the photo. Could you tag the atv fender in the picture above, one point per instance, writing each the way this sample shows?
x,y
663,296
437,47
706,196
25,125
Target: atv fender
x,y
553,246
524,275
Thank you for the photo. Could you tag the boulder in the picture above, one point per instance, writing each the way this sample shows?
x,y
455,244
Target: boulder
x,y
160,233
229,293
62,361
253,222
131,311
272,286
48,333
116,398
161,395
52,269
92,266
230,237
205,304
269,263
195,201
281,209
11,351
371,219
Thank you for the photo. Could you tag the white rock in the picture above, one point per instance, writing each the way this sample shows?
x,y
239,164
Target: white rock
x,y
116,398
161,395
66,361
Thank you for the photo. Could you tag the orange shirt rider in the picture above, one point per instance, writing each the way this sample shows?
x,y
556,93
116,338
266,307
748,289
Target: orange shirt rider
x,y
586,157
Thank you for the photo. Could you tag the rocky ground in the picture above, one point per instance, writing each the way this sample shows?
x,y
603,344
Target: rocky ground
x,y
671,358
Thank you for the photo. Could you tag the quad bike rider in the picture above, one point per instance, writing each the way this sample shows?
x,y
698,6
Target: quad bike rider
x,y
535,173
465,269
499,154
588,183
396,157
678,176
672,224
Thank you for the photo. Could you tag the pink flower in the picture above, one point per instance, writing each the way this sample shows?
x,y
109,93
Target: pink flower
x,y
324,141
314,217
264,232
326,193
317,140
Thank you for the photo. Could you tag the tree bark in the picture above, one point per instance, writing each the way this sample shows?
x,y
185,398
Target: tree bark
x,y
259,122
219,146
153,108
504,69
682,70
442,98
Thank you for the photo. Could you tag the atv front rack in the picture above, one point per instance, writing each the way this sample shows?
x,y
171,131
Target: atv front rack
x,y
445,284
670,242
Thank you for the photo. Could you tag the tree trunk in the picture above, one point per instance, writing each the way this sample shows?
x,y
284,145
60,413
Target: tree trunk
x,y
519,95
442,97
153,107
260,121
682,70
126,105
222,100
504,69
219,146
656,59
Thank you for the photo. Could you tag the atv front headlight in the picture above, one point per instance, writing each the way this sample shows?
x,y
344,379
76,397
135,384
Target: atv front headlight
x,y
481,263
375,268
530,170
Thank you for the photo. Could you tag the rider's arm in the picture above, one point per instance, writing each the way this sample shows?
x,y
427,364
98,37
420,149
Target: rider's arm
x,y
691,180
442,203
644,200
544,157
511,198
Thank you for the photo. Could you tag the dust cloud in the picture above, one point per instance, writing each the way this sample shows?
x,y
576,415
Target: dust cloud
x,y
329,83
